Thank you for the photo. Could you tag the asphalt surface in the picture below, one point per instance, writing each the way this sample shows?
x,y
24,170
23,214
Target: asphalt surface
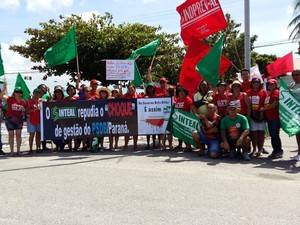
x,y
147,187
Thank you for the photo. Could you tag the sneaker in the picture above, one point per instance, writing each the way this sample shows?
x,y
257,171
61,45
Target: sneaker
x,y
246,157
296,157
1,152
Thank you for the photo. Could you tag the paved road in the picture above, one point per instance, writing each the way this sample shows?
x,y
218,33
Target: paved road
x,y
148,187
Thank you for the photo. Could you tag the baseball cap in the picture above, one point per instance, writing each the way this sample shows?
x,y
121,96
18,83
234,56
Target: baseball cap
x,y
18,89
93,81
37,90
163,80
272,81
232,105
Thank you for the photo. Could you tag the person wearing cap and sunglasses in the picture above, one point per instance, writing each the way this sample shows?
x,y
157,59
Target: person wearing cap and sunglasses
x,y
295,87
14,117
33,120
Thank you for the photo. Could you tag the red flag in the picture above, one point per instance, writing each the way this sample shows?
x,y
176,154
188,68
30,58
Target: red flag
x,y
200,19
281,66
189,78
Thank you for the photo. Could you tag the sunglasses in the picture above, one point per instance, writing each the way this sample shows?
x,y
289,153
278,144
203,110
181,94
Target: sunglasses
x,y
256,82
235,86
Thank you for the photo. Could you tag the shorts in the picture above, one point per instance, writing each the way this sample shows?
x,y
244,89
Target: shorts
x,y
12,126
257,126
33,128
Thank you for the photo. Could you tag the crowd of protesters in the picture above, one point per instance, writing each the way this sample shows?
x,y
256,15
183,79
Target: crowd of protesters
x,y
234,116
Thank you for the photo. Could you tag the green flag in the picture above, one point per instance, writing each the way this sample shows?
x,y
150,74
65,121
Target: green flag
x,y
289,110
63,51
209,65
138,81
147,50
1,64
21,83
182,124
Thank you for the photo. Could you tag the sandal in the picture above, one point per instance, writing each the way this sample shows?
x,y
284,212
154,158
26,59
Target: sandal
x,y
253,154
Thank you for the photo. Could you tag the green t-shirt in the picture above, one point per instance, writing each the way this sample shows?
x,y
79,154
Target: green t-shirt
x,y
46,96
234,128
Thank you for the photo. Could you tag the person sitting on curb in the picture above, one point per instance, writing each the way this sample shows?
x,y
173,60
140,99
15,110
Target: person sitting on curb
x,y
234,132
209,133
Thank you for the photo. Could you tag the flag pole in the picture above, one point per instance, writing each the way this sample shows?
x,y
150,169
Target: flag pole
x,y
152,61
77,62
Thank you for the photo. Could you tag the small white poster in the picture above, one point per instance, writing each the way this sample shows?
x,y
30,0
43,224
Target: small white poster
x,y
119,69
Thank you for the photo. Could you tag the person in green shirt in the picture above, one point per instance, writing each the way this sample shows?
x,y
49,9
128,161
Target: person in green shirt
x,y
234,132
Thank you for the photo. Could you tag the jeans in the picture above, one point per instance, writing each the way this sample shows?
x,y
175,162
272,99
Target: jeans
x,y
213,144
274,127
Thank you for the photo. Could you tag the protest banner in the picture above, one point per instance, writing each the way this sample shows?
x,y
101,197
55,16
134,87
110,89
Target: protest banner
x,y
182,124
153,115
119,69
289,110
65,120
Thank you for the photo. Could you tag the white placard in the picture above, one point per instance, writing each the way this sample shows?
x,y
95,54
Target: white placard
x,y
119,69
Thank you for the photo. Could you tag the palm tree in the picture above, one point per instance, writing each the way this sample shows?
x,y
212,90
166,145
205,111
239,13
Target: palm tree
x,y
295,22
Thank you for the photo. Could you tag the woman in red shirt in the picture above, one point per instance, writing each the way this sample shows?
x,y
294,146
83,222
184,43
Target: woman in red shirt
x,y
185,103
14,117
220,99
257,97
33,121
239,98
271,109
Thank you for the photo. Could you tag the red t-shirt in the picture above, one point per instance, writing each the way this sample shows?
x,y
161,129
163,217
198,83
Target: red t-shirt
x,y
14,107
246,86
159,92
257,98
185,104
135,95
215,119
240,102
272,114
221,101
74,98
34,117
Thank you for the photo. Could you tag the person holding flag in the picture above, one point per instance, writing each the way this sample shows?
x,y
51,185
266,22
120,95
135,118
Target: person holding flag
x,y
14,116
295,88
160,91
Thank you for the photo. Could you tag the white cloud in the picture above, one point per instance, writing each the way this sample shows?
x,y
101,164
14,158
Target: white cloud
x,y
9,4
39,6
88,15
12,61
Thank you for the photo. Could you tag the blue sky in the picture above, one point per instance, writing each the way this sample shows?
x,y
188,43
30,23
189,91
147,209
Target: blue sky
x,y
269,20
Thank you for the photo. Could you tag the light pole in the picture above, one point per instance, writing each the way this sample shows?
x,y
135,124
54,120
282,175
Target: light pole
x,y
247,34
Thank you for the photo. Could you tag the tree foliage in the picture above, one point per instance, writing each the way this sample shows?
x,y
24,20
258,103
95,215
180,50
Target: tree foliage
x,y
99,38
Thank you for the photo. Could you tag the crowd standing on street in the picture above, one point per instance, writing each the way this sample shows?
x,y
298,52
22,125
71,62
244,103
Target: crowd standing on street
x,y
233,115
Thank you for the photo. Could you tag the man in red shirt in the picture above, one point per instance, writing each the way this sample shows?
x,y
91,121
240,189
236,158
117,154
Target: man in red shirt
x,y
246,80
94,85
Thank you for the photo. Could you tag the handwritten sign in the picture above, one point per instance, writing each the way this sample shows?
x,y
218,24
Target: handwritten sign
x,y
120,69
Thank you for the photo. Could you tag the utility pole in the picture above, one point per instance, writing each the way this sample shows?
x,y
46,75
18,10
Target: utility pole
x,y
247,33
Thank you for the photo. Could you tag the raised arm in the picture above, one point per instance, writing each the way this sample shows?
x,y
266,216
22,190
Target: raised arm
x,y
150,74
3,91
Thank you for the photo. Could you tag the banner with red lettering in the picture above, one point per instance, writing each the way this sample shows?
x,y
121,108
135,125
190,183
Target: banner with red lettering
x,y
200,18
66,120
189,78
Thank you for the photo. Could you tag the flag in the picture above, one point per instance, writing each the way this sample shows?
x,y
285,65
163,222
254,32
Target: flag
x,y
63,51
199,19
137,76
209,65
147,50
20,82
182,124
281,66
1,64
289,110
189,78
